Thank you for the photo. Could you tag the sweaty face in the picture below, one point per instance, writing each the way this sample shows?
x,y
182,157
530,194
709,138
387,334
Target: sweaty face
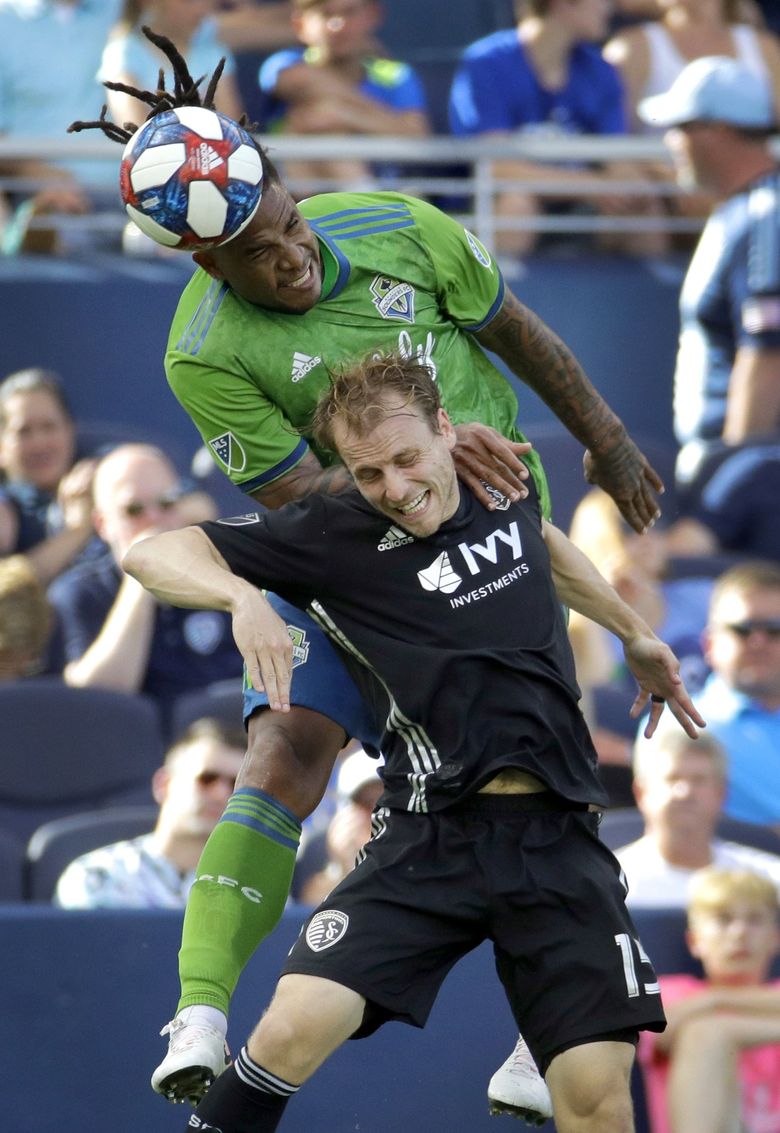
x,y
743,643
37,443
275,262
404,468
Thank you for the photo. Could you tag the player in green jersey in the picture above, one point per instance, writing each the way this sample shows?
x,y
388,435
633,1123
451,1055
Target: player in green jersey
x,y
301,290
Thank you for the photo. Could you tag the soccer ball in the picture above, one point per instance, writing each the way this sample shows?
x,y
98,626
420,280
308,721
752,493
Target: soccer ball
x,y
191,178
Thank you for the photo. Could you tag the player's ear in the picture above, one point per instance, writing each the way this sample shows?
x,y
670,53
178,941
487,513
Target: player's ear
x,y
206,261
446,427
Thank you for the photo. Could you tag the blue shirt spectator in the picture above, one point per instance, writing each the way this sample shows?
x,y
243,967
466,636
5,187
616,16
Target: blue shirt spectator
x,y
497,88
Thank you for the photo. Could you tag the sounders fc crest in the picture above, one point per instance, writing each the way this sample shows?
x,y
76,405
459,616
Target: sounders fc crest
x,y
392,299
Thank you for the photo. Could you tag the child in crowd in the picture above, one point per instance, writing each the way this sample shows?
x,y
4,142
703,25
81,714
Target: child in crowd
x,y
716,1068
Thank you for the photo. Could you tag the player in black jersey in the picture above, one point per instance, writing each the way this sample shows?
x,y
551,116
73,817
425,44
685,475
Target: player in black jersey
x,y
451,617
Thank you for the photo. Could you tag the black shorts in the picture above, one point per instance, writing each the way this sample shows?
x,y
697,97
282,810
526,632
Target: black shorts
x,y
528,873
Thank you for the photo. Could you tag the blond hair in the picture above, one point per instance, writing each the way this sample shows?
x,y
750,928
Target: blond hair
x,y
712,890
25,614
670,739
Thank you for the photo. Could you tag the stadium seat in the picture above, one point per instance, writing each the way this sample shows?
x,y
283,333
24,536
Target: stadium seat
x,y
70,749
223,700
55,844
11,868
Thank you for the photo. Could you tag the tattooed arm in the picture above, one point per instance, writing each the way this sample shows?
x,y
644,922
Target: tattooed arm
x,y
308,476
540,359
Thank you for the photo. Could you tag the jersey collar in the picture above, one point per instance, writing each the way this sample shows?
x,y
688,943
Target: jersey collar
x,y
335,265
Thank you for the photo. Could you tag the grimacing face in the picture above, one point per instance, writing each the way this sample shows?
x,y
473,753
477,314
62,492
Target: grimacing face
x,y
404,468
275,262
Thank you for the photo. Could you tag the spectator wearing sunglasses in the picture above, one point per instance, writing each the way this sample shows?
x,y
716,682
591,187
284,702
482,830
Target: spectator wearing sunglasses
x,y
156,870
741,698
114,634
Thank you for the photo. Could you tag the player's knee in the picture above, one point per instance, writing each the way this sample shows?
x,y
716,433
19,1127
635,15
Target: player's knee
x,y
291,756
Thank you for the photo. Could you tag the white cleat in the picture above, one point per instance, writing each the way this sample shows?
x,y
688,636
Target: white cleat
x,y
197,1054
518,1089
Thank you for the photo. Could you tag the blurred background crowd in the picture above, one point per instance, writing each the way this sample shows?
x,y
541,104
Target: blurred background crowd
x,y
121,730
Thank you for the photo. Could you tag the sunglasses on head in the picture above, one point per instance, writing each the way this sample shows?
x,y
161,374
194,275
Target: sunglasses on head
x,y
769,626
209,778
136,507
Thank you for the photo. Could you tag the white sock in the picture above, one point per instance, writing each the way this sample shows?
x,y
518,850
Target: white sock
x,y
200,1013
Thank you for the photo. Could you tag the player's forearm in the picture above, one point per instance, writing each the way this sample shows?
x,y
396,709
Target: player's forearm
x,y
581,587
305,479
540,359
184,568
119,655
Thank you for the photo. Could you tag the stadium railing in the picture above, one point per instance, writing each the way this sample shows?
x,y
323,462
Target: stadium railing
x,y
461,171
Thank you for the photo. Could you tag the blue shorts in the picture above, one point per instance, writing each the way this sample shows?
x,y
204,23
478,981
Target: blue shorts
x,y
320,679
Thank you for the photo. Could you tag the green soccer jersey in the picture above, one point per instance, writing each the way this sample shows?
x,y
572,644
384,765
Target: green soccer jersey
x,y
399,275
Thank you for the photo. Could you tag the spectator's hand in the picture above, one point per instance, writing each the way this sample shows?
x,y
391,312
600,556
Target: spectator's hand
x,y
657,672
74,494
482,453
626,475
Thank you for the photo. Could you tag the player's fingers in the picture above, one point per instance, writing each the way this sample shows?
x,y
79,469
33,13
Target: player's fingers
x,y
633,517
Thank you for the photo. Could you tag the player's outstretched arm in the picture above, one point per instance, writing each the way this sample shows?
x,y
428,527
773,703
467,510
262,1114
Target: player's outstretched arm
x,y
540,359
580,586
184,568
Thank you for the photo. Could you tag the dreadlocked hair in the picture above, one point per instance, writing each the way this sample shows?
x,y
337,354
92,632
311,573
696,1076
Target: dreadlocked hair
x,y
185,93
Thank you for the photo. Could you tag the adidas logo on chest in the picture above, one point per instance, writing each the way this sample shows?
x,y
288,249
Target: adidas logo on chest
x,y
394,537
303,364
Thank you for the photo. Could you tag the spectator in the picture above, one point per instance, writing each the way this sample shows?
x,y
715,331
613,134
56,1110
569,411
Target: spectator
x,y
115,635
339,82
25,619
45,499
741,699
716,1067
49,55
130,58
156,870
546,76
329,855
719,117
651,55
680,786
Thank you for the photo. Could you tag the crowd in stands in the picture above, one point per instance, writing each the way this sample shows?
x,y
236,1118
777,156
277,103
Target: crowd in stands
x,y
314,67
706,578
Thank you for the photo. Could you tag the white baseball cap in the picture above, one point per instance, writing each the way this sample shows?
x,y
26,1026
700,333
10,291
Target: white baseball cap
x,y
712,89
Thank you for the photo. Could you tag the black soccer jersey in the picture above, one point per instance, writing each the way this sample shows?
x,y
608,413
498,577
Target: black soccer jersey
x,y
460,636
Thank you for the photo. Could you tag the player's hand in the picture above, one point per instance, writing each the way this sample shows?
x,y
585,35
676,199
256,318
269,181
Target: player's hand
x,y
626,475
657,672
482,453
265,645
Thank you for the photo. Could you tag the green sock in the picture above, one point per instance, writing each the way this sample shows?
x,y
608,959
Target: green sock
x,y
242,883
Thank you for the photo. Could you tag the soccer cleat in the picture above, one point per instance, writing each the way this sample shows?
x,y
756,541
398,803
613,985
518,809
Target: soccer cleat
x,y
197,1054
518,1089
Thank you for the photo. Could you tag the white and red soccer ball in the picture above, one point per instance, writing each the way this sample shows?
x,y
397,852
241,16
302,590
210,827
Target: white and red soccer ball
x,y
191,178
